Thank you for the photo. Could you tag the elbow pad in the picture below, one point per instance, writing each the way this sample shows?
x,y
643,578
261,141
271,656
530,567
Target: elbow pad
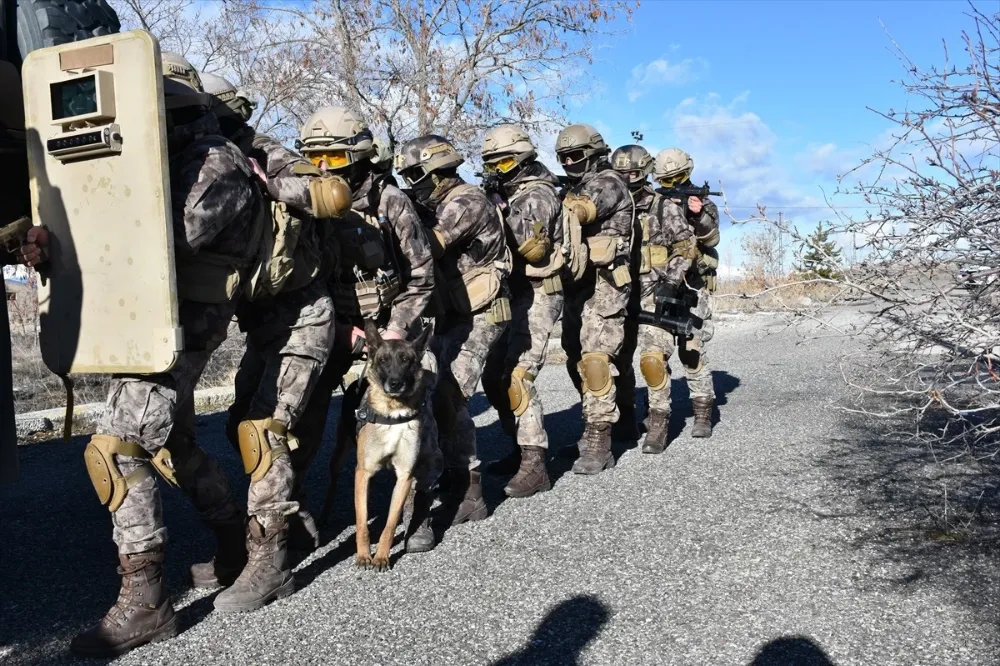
x,y
581,206
330,197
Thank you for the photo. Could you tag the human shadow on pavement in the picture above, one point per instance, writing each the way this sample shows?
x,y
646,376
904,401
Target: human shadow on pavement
x,y
562,635
792,651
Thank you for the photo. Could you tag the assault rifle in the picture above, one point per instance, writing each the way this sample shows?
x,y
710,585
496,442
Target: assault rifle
x,y
682,192
490,182
673,305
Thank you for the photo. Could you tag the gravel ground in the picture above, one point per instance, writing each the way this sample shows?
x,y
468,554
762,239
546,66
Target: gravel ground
x,y
766,545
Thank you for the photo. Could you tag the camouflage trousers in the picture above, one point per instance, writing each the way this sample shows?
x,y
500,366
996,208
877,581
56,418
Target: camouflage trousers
x,y
288,343
157,412
525,344
594,321
691,353
461,343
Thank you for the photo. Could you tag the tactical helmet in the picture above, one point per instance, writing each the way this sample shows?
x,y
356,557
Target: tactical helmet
x,y
633,161
419,158
579,142
177,68
382,159
506,147
337,137
234,99
673,166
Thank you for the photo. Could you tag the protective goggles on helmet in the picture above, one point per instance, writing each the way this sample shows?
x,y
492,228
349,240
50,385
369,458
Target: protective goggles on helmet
x,y
331,159
414,174
502,165
573,156
676,179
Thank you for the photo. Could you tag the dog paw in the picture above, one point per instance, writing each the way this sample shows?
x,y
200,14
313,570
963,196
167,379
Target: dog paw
x,y
380,563
363,561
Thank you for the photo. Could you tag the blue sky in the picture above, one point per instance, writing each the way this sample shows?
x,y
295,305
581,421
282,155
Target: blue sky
x,y
772,94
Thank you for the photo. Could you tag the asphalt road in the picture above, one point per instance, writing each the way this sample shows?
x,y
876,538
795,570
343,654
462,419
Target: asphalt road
x,y
766,545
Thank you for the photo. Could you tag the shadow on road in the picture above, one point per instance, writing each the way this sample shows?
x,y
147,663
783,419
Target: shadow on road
x,y
792,651
562,634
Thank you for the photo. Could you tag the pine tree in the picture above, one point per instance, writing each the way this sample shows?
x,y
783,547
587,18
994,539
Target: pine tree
x,y
819,256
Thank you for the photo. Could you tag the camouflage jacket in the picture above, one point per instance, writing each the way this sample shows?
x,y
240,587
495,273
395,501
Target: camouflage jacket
x,y
380,199
535,202
217,206
662,224
609,191
467,226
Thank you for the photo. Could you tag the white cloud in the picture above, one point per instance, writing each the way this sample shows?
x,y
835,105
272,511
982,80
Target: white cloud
x,y
661,72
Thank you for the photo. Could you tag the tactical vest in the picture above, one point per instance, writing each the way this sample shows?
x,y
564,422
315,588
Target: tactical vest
x,y
366,276
544,259
480,287
654,255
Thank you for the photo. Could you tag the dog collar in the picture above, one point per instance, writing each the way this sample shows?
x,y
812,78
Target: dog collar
x,y
368,415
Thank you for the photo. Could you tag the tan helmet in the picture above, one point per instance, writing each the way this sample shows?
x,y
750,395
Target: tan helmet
x,y
234,99
634,162
177,68
672,166
382,159
419,158
337,137
506,147
579,142
182,88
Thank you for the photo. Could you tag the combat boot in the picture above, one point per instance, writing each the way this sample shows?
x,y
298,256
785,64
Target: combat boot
x,y
595,450
532,477
303,535
417,522
657,422
230,557
465,492
143,613
267,575
702,417
506,466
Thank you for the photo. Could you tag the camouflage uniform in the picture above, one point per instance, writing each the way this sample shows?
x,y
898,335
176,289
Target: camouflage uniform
x,y
470,230
217,210
534,310
408,244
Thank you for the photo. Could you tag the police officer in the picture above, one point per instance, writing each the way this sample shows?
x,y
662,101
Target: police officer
x,y
666,250
473,307
533,216
673,169
381,270
148,423
594,322
290,329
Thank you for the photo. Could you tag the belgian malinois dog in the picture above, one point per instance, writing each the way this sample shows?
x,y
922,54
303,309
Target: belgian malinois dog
x,y
392,426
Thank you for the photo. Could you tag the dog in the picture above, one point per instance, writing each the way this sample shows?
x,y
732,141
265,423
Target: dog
x,y
392,426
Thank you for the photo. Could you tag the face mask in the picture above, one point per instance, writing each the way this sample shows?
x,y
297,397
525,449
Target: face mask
x,y
423,190
577,170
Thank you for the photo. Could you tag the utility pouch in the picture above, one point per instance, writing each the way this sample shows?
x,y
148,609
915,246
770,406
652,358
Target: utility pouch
x,y
621,276
645,263
552,285
603,249
207,278
499,311
475,290
659,256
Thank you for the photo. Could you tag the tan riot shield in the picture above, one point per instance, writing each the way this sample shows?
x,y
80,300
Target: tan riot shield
x,y
97,154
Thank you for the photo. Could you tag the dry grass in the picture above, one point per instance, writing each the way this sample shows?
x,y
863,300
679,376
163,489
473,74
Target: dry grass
x,y
756,294
36,388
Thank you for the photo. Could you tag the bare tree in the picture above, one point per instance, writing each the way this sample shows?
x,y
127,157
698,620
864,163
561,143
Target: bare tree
x,y
765,255
454,67
927,252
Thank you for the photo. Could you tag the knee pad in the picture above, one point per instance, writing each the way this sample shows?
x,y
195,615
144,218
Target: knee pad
x,y
691,356
111,485
595,369
654,370
519,391
257,453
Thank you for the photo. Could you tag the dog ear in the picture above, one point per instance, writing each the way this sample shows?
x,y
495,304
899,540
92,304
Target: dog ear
x,y
372,336
424,338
